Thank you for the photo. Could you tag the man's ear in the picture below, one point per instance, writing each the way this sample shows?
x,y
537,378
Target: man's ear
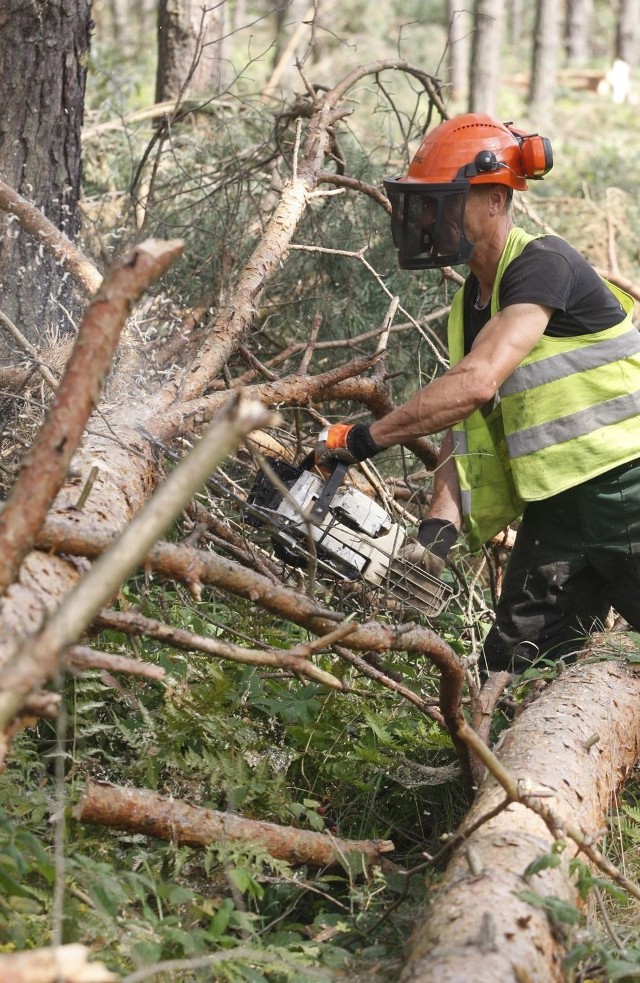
x,y
497,198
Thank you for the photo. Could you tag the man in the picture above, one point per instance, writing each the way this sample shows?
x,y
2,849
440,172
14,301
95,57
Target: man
x,y
541,406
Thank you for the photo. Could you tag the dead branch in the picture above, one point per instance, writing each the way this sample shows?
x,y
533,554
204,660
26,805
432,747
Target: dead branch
x,y
143,811
196,567
83,657
56,242
30,349
65,962
292,660
560,785
45,468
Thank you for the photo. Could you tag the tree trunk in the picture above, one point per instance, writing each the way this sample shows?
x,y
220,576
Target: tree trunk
x,y
577,31
544,66
484,79
515,23
458,28
189,40
627,32
43,58
476,917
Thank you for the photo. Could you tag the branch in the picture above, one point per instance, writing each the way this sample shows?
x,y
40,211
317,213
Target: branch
x,y
56,242
143,811
294,660
45,467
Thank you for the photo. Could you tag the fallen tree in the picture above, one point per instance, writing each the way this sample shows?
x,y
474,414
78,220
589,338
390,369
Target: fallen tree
x,y
566,755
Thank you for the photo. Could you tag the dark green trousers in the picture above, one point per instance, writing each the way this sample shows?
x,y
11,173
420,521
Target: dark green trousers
x,y
576,555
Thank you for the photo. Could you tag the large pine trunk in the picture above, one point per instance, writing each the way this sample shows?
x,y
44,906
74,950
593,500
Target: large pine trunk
x,y
43,63
477,927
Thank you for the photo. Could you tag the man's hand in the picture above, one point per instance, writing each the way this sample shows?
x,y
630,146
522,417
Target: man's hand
x,y
431,547
345,442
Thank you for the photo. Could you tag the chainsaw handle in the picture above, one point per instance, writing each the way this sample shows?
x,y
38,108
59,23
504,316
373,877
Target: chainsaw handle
x,y
321,505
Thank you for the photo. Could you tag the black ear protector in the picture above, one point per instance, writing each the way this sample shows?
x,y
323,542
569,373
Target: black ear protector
x,y
486,161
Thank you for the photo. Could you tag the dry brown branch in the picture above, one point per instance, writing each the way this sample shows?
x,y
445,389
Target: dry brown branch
x,y
294,660
30,349
560,785
56,242
66,962
82,657
143,811
73,535
45,468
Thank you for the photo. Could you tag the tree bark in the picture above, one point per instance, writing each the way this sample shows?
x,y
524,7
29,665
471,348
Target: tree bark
x,y
484,79
43,62
544,66
627,31
577,31
476,917
143,811
458,31
189,49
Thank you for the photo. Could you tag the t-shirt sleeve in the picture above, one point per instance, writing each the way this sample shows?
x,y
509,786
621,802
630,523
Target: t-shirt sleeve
x,y
541,274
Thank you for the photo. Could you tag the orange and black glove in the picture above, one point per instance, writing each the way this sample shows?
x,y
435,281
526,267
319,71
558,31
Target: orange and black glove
x,y
345,442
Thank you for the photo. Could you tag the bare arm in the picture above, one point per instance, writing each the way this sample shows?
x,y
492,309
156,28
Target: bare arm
x,y
501,345
445,499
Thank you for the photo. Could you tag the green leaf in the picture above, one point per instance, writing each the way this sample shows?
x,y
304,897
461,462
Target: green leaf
x,y
543,862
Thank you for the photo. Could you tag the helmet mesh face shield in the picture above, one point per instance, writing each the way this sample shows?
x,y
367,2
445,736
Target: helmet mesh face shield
x,y
427,223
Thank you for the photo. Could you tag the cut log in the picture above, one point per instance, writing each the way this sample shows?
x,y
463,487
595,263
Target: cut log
x,y
477,927
143,811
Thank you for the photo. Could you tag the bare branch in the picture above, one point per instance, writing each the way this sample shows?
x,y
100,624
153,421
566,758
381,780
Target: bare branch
x,y
61,248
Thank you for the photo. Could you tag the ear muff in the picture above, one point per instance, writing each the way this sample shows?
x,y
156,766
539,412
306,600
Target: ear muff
x,y
537,156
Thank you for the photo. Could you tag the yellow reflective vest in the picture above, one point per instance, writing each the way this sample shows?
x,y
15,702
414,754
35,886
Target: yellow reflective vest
x,y
569,412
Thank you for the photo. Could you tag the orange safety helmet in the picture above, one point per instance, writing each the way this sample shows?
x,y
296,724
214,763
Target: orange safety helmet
x,y
427,218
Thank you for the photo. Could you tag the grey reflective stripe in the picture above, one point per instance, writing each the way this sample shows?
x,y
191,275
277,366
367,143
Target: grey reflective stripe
x,y
465,501
574,425
567,363
460,443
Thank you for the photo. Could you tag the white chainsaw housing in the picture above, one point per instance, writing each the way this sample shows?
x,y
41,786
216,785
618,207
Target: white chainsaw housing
x,y
362,541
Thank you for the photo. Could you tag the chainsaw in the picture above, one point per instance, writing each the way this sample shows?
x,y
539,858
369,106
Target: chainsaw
x,y
345,532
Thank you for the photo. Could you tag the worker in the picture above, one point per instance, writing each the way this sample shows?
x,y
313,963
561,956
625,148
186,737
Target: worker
x,y
541,406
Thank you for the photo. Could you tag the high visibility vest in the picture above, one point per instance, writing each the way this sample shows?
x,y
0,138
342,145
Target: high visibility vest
x,y
568,412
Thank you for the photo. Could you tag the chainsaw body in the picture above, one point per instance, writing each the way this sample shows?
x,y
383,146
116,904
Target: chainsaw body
x,y
350,534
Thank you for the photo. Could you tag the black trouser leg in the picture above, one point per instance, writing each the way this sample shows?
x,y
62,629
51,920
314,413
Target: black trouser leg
x,y
576,555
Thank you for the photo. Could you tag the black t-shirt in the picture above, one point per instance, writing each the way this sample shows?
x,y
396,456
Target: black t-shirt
x,y
550,272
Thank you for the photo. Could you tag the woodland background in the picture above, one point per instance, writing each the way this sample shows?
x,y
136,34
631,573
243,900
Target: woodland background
x,y
197,260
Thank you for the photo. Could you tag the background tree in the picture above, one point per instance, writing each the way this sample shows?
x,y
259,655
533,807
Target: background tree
x,y
189,49
459,29
577,28
626,47
544,62
484,76
43,65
